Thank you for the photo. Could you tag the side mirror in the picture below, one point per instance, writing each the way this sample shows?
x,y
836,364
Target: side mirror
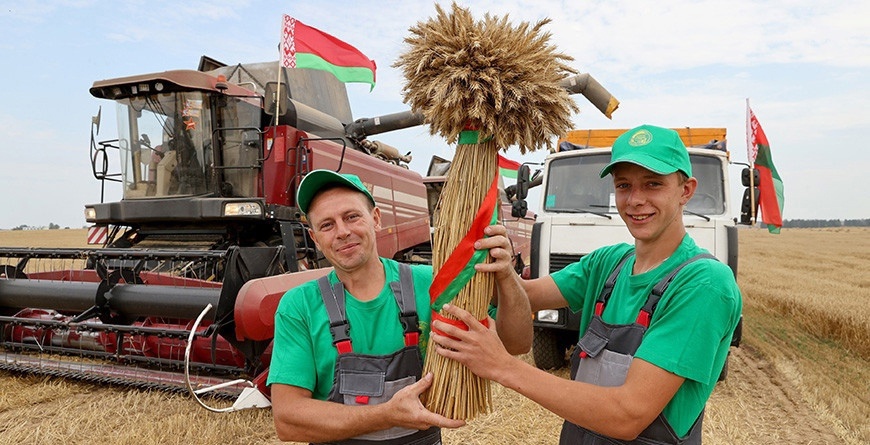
x,y
750,178
745,178
273,102
523,181
747,212
519,207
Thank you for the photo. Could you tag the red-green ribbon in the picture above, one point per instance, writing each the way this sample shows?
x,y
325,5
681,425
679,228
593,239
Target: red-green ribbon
x,y
457,271
470,136
459,324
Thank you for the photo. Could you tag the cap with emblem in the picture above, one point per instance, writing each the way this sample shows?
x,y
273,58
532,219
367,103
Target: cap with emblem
x,y
657,149
316,180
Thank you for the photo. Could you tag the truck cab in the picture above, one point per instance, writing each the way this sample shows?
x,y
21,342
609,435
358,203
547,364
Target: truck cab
x,y
578,215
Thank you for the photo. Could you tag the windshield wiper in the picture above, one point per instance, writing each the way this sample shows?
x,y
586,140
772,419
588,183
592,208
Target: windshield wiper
x,y
700,215
572,210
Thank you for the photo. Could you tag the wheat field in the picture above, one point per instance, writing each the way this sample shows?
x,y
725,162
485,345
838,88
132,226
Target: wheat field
x,y
800,377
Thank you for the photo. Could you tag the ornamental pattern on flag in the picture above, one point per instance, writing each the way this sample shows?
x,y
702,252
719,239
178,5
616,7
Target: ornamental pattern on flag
x,y
288,42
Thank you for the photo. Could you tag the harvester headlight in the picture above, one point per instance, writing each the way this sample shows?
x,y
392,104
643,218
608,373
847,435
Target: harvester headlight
x,y
242,209
90,214
548,316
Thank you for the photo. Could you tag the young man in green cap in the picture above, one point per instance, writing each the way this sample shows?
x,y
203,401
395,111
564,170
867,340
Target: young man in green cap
x,y
347,355
657,317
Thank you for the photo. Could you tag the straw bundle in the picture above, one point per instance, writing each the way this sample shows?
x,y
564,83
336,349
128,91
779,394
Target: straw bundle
x,y
487,85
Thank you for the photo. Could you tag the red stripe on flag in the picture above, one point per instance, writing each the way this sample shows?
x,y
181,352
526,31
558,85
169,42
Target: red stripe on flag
x,y
768,200
504,162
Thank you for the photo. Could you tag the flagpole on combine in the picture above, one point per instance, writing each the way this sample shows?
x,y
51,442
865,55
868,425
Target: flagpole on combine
x,y
750,145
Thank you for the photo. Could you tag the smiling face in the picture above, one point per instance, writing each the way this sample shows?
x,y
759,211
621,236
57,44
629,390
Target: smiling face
x,y
343,225
652,204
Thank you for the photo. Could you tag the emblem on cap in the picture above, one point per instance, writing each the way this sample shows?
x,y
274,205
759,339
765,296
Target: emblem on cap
x,y
640,138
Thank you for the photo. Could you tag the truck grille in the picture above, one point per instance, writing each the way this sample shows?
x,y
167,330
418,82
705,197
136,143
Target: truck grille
x,y
560,260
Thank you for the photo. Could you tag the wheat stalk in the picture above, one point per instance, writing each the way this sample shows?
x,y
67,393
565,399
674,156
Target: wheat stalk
x,y
502,81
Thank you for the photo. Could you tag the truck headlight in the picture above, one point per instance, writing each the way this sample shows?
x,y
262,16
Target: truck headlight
x,y
242,209
548,316
90,214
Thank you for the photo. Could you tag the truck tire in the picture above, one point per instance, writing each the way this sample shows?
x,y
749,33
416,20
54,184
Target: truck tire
x,y
549,349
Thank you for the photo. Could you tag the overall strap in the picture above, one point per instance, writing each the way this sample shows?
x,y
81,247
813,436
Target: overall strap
x,y
403,290
608,285
645,315
333,299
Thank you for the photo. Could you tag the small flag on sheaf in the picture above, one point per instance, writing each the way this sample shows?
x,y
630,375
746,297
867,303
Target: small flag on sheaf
x,y
507,168
305,47
770,185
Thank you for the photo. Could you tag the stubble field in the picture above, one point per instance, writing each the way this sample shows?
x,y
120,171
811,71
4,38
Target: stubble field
x,y
800,377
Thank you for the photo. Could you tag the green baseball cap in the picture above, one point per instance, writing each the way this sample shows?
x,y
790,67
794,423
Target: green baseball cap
x,y
316,180
656,149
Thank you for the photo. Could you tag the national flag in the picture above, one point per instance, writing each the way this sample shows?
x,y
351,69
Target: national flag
x,y
305,47
507,168
770,185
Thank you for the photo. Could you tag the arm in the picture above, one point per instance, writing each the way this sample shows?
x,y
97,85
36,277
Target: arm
x,y
621,412
514,320
516,298
300,418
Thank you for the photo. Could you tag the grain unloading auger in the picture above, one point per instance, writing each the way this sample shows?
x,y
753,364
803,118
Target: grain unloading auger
x,y
207,237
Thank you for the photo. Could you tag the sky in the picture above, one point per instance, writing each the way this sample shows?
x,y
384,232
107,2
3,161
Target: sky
x,y
804,65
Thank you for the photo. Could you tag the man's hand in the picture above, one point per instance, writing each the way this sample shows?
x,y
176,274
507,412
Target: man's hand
x,y
479,348
409,412
501,251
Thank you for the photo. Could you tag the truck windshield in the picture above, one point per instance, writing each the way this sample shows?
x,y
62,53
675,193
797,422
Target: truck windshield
x,y
165,143
573,185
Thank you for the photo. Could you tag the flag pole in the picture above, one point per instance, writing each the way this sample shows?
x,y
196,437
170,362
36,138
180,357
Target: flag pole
x,y
750,144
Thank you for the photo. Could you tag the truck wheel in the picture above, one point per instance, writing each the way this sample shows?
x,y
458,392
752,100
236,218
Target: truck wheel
x,y
548,349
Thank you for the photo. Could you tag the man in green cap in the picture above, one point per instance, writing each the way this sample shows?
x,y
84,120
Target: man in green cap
x,y
657,317
347,356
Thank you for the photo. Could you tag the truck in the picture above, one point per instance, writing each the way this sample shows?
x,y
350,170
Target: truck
x,y
578,215
181,289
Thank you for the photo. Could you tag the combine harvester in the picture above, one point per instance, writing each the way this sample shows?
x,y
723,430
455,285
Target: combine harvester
x,y
207,237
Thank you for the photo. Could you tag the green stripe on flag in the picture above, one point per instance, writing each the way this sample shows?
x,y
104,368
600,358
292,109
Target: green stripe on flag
x,y
508,173
343,73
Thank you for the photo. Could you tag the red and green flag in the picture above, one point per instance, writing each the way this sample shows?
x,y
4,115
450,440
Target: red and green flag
x,y
770,187
507,168
305,47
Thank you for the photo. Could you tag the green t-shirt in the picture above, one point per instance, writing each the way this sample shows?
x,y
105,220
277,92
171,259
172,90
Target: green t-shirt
x,y
303,354
690,331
